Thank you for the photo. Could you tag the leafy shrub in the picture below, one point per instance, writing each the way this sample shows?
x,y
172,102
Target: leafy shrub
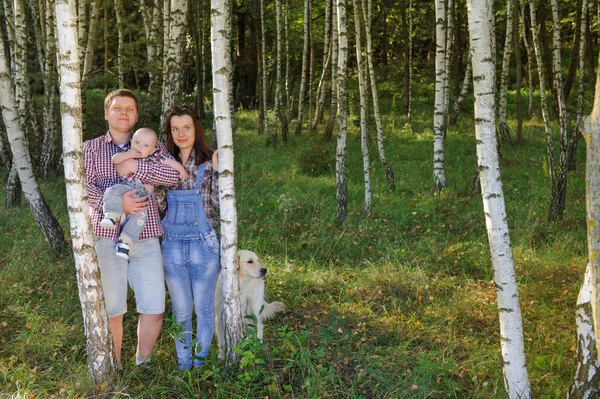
x,y
316,158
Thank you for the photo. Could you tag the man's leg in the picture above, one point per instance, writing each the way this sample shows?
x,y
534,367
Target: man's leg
x,y
149,326
147,280
116,327
113,274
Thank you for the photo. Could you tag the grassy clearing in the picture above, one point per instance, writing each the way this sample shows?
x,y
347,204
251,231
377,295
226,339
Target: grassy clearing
x,y
398,304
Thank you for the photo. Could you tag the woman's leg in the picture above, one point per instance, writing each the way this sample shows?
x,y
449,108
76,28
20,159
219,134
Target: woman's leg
x,y
204,271
175,255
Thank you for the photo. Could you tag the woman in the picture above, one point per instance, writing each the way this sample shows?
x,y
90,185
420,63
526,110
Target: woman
x,y
190,246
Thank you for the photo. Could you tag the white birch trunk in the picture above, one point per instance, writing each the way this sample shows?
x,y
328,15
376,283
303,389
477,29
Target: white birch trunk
x,y
22,159
221,65
333,106
557,207
340,164
591,133
502,109
49,150
529,56
326,59
120,72
544,105
95,320
581,88
286,28
82,28
279,111
92,36
303,82
263,62
439,112
364,145
173,57
481,30
389,173
587,379
410,74
448,55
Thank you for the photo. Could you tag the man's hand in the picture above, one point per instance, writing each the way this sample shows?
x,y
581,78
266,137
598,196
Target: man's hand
x,y
133,206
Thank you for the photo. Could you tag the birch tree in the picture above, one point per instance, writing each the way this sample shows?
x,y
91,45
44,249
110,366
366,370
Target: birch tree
x,y
333,105
340,164
173,56
364,145
389,173
559,193
586,382
439,112
22,160
464,90
572,159
305,76
263,77
320,103
100,353
221,65
591,134
49,153
481,36
545,115
152,18
120,50
280,112
502,109
88,57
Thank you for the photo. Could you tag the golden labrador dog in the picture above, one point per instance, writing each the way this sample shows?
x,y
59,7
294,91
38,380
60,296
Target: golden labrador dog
x,y
251,282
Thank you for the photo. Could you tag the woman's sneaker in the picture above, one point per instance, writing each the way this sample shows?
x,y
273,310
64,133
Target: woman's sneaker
x,y
108,223
123,250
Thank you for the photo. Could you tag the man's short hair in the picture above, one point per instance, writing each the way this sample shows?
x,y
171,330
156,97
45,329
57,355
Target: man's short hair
x,y
121,93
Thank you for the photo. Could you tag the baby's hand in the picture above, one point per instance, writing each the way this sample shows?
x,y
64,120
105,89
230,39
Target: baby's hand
x,y
183,175
133,153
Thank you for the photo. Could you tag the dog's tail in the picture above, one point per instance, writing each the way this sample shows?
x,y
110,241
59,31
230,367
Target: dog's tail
x,y
270,309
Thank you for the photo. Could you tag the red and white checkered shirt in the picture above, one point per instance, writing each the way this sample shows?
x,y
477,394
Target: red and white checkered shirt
x,y
101,174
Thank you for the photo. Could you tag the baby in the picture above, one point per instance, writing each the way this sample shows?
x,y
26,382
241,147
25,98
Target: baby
x,y
143,146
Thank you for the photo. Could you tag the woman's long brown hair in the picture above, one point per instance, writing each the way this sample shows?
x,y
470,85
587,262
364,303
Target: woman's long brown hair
x,y
203,153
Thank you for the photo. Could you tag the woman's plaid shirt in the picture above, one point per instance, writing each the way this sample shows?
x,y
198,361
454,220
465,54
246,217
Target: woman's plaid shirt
x,y
100,174
209,189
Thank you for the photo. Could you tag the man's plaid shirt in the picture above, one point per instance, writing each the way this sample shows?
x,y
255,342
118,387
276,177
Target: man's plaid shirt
x,y
100,174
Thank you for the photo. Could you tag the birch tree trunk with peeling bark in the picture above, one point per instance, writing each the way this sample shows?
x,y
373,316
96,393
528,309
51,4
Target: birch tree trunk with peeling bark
x,y
502,109
439,112
364,145
22,159
221,66
389,173
173,57
304,77
100,352
481,37
340,164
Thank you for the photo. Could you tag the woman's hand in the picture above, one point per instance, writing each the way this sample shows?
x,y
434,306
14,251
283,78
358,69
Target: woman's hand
x,y
215,160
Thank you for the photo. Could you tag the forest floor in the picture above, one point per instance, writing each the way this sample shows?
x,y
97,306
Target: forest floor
x,y
398,304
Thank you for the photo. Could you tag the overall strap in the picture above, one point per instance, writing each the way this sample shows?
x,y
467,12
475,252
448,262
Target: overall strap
x,y
200,176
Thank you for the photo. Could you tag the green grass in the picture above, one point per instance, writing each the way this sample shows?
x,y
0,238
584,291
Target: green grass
x,y
399,304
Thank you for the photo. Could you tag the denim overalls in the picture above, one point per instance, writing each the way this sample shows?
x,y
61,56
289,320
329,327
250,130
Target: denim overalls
x,y
190,252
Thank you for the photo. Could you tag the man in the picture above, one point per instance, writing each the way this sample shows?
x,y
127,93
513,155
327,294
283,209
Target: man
x,y
143,270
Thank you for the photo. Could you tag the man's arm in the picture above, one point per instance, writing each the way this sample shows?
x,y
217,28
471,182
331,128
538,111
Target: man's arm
x,y
173,164
91,178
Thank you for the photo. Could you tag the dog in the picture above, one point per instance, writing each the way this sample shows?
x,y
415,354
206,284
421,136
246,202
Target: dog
x,y
251,283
